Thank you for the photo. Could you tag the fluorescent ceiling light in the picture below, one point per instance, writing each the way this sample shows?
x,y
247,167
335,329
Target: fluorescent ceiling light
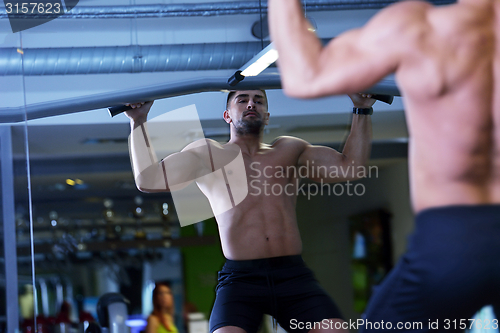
x,y
260,62
256,65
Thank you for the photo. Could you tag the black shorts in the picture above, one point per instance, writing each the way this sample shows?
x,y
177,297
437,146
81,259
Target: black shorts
x,y
282,287
450,271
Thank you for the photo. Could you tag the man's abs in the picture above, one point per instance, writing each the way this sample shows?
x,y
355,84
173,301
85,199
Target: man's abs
x,y
260,227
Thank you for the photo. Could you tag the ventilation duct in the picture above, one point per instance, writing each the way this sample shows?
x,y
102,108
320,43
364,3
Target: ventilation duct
x,y
126,59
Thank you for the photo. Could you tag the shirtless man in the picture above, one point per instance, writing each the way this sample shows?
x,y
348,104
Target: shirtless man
x,y
264,272
447,66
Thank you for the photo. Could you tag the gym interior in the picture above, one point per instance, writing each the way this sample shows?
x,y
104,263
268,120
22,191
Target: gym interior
x,y
74,225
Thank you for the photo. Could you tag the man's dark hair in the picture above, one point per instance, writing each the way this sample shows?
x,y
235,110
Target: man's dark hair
x,y
231,94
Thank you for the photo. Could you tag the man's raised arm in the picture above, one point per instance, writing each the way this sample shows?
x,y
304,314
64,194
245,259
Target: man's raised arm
x,y
173,172
351,62
355,154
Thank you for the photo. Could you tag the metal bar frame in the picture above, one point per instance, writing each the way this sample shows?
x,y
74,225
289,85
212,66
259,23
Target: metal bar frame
x,y
9,229
266,81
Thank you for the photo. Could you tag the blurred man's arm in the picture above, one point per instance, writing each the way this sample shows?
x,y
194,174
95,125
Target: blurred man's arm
x,y
351,62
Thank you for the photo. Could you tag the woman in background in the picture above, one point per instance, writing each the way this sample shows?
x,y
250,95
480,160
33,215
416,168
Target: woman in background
x,y
161,319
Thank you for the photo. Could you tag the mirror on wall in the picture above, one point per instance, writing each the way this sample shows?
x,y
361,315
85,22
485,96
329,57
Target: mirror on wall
x,y
78,228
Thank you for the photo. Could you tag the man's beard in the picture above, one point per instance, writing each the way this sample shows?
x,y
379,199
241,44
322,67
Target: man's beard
x,y
249,127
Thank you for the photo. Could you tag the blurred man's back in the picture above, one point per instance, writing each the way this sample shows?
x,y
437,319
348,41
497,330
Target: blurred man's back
x,y
449,77
447,66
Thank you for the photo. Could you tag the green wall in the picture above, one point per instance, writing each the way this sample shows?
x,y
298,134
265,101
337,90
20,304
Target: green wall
x,y
201,264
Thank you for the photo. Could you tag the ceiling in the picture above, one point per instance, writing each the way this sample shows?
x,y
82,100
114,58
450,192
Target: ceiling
x,y
92,146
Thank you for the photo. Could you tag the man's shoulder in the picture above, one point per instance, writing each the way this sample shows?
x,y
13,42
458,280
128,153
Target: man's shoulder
x,y
290,144
398,28
289,141
413,4
201,143
409,7
403,15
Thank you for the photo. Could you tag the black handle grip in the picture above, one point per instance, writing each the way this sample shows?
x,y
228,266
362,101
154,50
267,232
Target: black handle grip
x,y
383,98
114,110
